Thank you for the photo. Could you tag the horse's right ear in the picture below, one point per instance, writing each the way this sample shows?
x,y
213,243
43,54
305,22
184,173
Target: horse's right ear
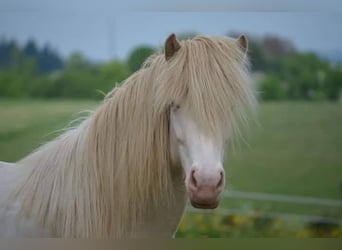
x,y
171,46
243,43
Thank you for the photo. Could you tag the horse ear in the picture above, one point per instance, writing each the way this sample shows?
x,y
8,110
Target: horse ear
x,y
171,46
243,43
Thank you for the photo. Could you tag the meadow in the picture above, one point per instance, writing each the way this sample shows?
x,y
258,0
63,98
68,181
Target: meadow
x,y
293,149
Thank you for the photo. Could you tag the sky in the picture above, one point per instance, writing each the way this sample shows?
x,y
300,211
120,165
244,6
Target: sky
x,y
105,29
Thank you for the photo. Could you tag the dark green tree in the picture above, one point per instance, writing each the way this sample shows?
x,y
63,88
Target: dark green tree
x,y
31,49
270,88
138,56
7,48
113,73
49,60
333,84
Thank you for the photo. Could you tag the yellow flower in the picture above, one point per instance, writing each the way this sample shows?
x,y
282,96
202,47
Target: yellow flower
x,y
202,228
216,221
183,227
303,234
198,218
238,220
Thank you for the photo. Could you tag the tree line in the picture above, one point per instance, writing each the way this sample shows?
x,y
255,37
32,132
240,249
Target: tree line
x,y
287,73
30,71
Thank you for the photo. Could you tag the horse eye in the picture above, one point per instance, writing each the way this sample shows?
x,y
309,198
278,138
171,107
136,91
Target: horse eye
x,y
175,107
180,141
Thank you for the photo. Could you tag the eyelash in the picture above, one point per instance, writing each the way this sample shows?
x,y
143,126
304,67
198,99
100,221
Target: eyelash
x,y
180,141
174,107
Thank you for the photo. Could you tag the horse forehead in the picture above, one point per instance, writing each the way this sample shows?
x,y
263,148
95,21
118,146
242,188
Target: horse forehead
x,y
194,132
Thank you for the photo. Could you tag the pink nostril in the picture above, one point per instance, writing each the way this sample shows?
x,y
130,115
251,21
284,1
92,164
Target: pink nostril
x,y
219,184
193,179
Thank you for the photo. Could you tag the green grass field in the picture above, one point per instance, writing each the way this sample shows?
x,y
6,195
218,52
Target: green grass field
x,y
24,125
295,150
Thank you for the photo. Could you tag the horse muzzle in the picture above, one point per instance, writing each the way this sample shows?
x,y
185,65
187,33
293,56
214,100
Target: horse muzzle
x,y
204,189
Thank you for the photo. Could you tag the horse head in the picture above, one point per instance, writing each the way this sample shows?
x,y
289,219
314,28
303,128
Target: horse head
x,y
198,148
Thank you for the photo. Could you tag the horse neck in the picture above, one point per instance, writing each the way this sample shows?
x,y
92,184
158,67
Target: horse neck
x,y
56,181
70,174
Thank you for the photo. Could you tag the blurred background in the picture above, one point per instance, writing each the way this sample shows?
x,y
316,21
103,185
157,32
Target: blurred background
x,y
57,59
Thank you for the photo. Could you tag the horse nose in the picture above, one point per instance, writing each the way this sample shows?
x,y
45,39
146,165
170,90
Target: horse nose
x,y
212,179
205,186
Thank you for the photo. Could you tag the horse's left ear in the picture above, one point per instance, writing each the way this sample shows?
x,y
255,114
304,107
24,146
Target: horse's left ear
x,y
171,46
243,43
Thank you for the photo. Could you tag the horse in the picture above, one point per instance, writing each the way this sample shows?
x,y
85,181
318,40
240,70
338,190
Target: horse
x,y
129,168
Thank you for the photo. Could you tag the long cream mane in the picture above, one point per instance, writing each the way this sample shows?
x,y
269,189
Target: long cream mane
x,y
100,178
